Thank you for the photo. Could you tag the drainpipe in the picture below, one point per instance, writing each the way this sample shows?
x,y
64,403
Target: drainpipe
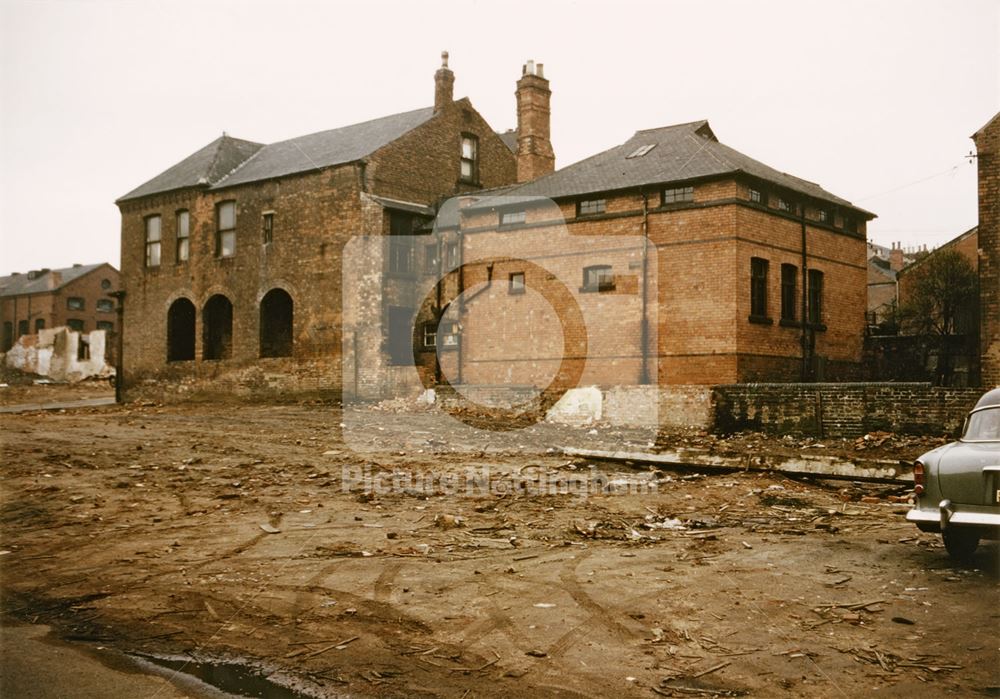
x,y
437,303
644,321
804,337
461,291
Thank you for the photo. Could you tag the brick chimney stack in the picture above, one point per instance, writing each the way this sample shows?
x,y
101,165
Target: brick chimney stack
x,y
534,148
444,85
896,257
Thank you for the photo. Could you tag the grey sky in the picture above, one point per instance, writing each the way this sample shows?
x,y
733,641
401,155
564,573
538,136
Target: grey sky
x,y
863,97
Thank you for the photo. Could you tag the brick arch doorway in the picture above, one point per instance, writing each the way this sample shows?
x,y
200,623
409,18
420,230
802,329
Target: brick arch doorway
x,y
276,323
180,331
217,328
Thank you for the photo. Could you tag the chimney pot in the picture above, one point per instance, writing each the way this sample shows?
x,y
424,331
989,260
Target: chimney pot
x,y
444,84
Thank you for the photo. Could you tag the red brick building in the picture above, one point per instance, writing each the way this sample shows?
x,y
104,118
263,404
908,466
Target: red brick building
x,y
75,296
757,276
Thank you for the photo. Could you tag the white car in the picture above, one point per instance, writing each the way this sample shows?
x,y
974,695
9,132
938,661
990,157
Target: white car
x,y
957,486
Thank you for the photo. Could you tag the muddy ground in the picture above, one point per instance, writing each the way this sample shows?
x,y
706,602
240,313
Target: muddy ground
x,y
260,533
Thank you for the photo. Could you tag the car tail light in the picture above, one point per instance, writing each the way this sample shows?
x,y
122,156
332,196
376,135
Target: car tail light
x,y
918,478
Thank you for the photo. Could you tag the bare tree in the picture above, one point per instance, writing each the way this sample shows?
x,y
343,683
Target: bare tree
x,y
941,305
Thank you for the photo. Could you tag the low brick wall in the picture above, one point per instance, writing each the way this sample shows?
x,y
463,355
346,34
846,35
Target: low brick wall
x,y
671,407
842,410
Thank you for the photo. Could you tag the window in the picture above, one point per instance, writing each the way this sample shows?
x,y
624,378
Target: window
x,y
430,335
758,288
400,340
74,324
152,241
39,325
8,335
469,165
430,257
678,194
598,278
815,278
183,236
591,206
400,255
451,254
511,218
850,224
785,205
276,309
824,216
449,334
106,325
268,227
105,284
516,285
756,196
225,239
105,305
217,329
74,303
180,331
789,281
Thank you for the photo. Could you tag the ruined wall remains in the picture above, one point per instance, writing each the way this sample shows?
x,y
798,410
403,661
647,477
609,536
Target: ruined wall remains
x,y
61,354
842,410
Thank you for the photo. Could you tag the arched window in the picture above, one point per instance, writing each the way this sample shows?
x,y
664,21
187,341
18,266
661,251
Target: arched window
x,y
276,324
217,330
180,331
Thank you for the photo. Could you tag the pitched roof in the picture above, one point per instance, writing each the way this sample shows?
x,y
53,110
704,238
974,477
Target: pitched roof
x,y
509,138
229,161
204,167
18,284
676,153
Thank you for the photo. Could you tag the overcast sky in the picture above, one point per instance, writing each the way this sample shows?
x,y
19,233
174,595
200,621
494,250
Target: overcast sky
x,y
875,100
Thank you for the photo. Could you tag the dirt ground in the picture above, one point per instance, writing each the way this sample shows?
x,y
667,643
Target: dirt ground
x,y
258,533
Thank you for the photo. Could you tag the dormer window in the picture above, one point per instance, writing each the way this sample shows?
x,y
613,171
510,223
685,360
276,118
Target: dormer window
x,y
469,164
756,196
786,205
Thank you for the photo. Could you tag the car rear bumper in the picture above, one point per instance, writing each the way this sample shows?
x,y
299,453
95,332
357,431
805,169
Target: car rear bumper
x,y
948,514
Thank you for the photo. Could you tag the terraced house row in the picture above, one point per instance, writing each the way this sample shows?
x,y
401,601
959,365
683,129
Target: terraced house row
x,y
426,248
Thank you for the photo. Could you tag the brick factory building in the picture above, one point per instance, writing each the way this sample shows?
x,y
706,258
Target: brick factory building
x,y
76,297
235,260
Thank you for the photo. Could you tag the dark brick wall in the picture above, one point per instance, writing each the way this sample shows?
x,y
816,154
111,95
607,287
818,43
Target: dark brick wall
x,y
988,163
842,410
315,215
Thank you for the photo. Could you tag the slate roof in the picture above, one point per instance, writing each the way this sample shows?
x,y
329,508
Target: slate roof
x,y
680,152
509,139
230,161
202,168
18,284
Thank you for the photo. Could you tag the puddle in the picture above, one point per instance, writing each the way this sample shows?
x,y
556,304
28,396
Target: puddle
x,y
231,679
